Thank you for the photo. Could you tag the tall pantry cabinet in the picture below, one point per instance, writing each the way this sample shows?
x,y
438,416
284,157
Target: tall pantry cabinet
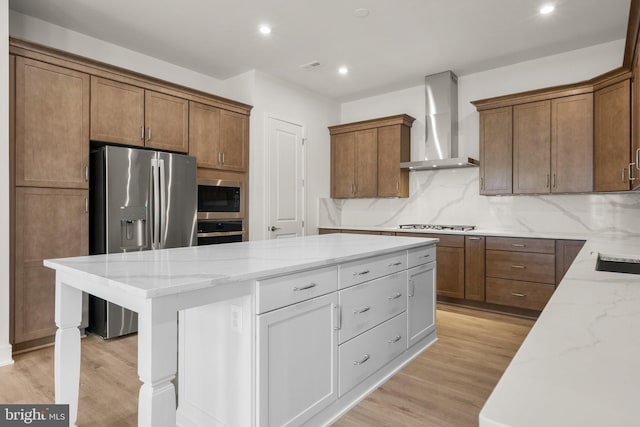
x,y
50,140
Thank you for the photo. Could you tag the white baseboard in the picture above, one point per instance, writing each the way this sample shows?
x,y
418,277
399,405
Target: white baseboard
x,y
5,355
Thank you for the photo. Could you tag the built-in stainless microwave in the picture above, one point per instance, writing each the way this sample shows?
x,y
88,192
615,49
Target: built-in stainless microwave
x,y
220,199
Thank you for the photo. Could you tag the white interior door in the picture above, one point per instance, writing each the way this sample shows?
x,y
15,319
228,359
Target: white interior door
x,y
285,172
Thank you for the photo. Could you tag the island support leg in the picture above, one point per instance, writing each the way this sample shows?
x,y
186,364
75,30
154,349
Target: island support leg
x,y
157,364
68,315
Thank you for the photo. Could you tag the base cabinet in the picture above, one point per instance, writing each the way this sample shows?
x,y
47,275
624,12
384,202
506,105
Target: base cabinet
x,y
302,348
421,319
297,358
63,234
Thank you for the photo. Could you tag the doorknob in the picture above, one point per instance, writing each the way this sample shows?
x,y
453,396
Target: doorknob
x,y
274,228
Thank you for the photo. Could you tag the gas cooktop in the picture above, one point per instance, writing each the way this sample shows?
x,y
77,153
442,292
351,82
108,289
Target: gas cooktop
x,y
437,227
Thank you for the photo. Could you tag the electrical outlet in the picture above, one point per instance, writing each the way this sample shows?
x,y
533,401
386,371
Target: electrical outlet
x,y
236,318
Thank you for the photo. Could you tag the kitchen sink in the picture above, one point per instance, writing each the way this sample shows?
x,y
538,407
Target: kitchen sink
x,y
618,264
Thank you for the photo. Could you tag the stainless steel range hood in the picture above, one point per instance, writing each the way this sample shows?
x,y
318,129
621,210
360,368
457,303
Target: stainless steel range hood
x,y
441,142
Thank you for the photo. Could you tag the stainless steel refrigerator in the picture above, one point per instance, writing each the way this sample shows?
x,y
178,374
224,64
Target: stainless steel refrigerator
x,y
139,200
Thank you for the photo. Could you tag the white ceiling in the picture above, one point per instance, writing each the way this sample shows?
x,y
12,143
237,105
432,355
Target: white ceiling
x,y
399,43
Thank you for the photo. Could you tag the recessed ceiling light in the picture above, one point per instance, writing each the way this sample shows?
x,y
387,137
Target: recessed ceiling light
x,y
547,9
265,29
343,70
361,12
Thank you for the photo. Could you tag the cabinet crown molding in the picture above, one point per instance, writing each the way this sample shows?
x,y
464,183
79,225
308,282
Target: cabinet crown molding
x,y
400,119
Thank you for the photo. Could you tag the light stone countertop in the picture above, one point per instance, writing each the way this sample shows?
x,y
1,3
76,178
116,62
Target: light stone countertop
x,y
169,271
580,364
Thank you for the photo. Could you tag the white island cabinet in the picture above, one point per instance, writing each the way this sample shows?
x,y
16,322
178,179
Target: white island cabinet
x,y
269,333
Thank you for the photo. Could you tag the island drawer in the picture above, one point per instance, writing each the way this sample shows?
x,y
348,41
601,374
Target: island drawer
x,y
369,304
354,272
364,355
532,267
517,244
421,255
290,289
533,296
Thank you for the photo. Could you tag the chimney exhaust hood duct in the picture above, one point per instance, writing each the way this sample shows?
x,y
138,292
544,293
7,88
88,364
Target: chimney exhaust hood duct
x,y
441,126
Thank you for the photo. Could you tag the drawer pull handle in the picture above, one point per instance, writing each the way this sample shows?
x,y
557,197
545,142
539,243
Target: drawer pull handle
x,y
519,266
474,238
519,245
362,273
425,256
515,294
304,288
362,310
361,361
395,264
396,296
394,340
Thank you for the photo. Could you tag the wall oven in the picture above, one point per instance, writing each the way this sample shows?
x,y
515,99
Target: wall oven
x,y
213,232
220,199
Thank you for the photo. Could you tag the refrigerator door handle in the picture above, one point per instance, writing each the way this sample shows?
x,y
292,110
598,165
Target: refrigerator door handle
x,y
155,203
163,204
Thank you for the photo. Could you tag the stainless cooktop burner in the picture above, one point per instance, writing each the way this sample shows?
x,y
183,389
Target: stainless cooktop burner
x,y
437,227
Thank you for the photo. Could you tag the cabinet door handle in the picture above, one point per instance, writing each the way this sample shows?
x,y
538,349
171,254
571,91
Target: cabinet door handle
x,y
142,133
222,162
638,159
412,288
515,294
395,264
396,296
425,256
554,181
622,176
362,310
86,205
304,288
362,273
474,238
629,169
547,180
149,133
86,173
397,185
481,183
519,245
395,339
361,361
338,318
522,267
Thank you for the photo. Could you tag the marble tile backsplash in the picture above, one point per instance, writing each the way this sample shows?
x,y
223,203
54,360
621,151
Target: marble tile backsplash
x,y
451,197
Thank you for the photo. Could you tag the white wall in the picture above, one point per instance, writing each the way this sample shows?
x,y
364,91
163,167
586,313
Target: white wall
x,y
5,347
31,29
287,102
451,196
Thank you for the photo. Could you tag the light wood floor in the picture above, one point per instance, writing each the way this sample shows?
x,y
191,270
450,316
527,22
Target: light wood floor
x,y
445,386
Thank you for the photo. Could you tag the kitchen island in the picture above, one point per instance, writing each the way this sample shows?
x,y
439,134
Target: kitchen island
x,y
365,305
